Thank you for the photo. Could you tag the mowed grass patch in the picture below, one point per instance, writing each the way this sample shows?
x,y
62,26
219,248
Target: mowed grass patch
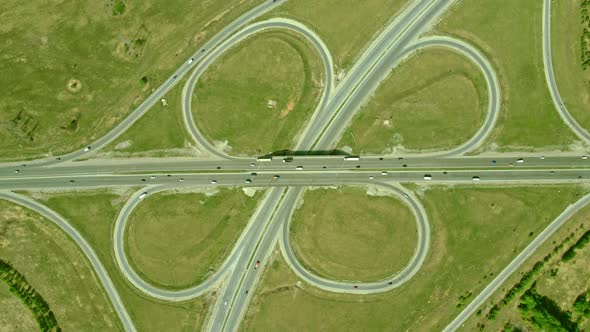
x,y
435,100
93,213
346,234
72,71
160,132
345,26
260,94
15,314
527,119
475,233
561,281
572,80
177,240
54,266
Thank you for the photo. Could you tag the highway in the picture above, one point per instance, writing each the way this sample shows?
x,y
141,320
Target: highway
x,y
287,176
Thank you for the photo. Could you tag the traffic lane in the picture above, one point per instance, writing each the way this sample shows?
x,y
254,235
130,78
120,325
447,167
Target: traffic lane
x,y
359,287
252,273
292,178
308,163
235,283
235,39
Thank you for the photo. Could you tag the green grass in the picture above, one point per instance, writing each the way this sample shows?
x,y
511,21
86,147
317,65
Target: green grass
x,y
200,232
435,100
95,222
560,281
15,314
343,25
160,132
527,119
56,269
230,100
72,71
573,82
349,235
475,233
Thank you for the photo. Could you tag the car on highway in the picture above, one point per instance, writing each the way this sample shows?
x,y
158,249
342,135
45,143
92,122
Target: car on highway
x,y
355,286
371,177
256,265
142,196
406,196
252,164
427,177
542,157
248,181
384,173
288,159
299,168
152,177
180,180
520,160
142,180
86,149
16,171
476,178
584,157
72,181
213,181
276,177
253,173
175,76
191,61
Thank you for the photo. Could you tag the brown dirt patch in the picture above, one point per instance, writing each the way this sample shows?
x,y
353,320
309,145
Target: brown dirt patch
x,y
288,110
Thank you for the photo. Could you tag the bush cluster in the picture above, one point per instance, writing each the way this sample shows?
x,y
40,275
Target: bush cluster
x,y
33,300
544,314
581,243
585,36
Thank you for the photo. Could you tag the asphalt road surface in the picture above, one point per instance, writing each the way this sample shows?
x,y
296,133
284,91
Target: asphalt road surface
x,y
237,275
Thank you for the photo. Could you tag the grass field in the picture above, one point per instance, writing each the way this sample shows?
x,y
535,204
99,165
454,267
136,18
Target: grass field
x,y
15,315
160,132
573,82
201,230
435,100
561,281
54,266
71,71
527,120
348,235
147,314
232,100
343,25
469,225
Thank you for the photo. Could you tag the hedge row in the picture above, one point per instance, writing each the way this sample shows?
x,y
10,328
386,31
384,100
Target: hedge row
x,y
33,300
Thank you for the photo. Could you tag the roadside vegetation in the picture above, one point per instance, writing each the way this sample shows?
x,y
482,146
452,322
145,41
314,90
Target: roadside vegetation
x,y
15,314
160,132
54,267
345,234
103,205
550,291
436,100
260,94
71,71
528,119
177,240
570,36
343,25
469,225
29,296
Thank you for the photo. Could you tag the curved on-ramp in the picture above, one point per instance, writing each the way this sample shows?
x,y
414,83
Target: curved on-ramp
x,y
387,284
86,249
393,59
550,77
275,23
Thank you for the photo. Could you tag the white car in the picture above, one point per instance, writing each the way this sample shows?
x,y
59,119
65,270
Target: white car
x,y
520,160
191,61
252,164
383,173
427,177
542,157
584,157
248,181
16,171
476,178
371,177
152,177
213,181
142,196
180,180
86,149
299,168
